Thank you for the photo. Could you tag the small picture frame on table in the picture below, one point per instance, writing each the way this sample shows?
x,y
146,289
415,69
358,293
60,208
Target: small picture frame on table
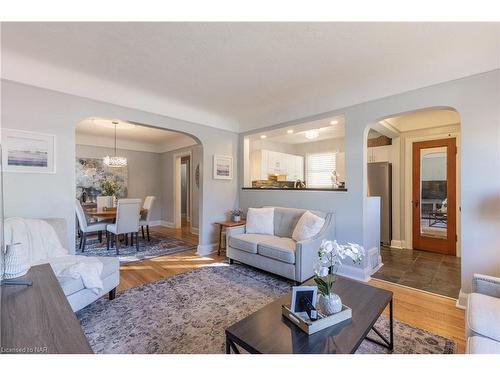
x,y
298,293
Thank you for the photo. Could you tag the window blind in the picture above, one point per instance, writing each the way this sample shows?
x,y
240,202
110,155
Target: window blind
x,y
319,168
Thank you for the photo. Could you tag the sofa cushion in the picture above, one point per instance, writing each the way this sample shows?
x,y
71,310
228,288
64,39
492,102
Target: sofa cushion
x,y
482,345
260,220
247,241
110,265
308,226
285,220
279,248
483,315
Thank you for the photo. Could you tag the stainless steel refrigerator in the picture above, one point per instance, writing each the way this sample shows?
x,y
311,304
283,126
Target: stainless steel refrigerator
x,y
380,185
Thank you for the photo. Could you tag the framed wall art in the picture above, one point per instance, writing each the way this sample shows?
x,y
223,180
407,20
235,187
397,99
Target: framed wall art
x,y
223,167
28,152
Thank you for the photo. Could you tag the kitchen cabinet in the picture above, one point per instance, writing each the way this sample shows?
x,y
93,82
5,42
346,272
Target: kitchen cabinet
x,y
266,162
380,154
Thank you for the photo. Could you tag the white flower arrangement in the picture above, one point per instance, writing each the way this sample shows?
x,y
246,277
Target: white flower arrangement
x,y
330,257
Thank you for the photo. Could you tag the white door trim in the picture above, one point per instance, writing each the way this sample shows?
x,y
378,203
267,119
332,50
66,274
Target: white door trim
x,y
177,187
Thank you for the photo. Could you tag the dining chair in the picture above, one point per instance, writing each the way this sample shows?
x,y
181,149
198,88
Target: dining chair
x,y
146,216
127,221
104,201
86,227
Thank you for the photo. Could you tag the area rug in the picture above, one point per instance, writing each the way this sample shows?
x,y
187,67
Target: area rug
x,y
159,245
189,312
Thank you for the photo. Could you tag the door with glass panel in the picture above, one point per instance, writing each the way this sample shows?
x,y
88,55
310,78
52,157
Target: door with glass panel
x,y
434,196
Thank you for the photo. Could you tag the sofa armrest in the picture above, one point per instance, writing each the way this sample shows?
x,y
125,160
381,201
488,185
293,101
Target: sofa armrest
x,y
484,284
306,251
232,231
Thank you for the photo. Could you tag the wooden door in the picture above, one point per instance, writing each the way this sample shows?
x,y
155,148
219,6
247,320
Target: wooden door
x,y
434,196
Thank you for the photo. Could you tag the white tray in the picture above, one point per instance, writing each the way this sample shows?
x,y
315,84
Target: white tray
x,y
309,326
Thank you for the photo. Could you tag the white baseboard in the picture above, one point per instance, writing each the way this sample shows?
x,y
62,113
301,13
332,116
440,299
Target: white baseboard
x,y
361,274
397,244
161,223
462,300
207,249
195,230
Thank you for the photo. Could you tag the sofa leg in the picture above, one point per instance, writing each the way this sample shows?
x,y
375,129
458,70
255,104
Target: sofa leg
x,y
231,261
112,294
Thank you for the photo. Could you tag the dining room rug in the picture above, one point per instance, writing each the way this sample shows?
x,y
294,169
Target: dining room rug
x,y
188,313
159,245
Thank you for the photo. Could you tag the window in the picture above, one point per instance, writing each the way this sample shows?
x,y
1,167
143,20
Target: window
x,y
319,168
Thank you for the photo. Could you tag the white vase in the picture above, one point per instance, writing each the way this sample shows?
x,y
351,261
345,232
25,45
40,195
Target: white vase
x,y
237,219
330,304
16,261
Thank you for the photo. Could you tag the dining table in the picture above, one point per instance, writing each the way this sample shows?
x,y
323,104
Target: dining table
x,y
106,213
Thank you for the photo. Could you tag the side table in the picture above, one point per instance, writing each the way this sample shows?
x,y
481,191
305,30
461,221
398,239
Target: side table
x,y
226,224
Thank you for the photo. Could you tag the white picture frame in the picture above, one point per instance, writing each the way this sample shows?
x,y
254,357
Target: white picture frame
x,y
310,291
28,152
223,167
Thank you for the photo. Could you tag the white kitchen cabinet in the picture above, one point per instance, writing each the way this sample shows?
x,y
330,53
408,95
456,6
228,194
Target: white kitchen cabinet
x,y
266,162
379,154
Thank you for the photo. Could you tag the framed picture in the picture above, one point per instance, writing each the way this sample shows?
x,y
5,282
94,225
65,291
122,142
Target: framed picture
x,y
28,152
298,295
223,167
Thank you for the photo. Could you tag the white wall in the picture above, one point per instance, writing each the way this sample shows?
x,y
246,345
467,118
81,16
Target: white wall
x,y
476,99
52,195
144,172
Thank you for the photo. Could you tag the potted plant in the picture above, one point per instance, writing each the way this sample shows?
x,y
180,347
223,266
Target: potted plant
x,y
236,215
330,256
109,187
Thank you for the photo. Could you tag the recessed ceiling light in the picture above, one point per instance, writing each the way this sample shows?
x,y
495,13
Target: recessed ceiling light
x,y
334,122
312,134
290,131
263,136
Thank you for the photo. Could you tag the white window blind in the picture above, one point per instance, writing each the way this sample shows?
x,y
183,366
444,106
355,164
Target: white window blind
x,y
319,168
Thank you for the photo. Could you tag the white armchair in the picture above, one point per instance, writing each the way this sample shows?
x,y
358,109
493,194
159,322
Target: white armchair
x,y
146,217
482,321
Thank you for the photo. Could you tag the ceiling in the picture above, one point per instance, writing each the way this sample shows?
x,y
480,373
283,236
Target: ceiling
x,y
328,128
242,76
101,131
424,120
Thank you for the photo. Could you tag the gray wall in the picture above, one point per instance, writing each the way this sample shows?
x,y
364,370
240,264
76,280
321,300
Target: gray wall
x,y
144,172
476,99
167,163
52,195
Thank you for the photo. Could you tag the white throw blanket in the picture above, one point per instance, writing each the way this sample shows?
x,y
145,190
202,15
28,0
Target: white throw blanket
x,y
40,240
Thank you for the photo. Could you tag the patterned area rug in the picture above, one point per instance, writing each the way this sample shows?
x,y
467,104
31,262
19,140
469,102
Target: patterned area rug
x,y
189,312
159,245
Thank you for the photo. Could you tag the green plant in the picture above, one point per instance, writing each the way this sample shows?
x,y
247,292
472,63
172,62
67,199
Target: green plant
x,y
109,186
236,212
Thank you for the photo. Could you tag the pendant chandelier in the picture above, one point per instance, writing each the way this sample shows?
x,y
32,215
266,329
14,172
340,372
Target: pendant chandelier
x,y
115,161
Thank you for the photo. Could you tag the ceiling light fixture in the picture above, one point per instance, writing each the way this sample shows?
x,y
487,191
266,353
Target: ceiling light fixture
x,y
290,131
312,134
334,122
263,136
115,161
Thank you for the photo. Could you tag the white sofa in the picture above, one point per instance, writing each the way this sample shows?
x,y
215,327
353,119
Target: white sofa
x,y
77,295
279,253
482,320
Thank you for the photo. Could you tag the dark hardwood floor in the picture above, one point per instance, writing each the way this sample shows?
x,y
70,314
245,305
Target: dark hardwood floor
x,y
432,272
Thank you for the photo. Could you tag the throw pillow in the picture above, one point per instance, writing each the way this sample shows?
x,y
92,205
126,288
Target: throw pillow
x,y
260,220
308,226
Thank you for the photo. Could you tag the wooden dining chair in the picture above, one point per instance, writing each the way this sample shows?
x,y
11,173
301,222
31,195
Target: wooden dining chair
x,y
127,222
146,216
86,227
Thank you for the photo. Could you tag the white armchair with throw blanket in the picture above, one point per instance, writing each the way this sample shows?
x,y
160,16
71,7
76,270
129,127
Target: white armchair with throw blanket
x,y
82,279
283,241
482,320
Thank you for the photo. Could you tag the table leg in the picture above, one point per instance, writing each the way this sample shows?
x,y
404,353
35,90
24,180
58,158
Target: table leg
x,y
220,240
228,346
391,327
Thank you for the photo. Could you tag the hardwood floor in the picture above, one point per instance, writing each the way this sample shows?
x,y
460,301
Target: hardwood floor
x,y
421,309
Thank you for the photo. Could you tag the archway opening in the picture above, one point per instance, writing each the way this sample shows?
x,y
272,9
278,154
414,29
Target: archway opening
x,y
118,160
413,166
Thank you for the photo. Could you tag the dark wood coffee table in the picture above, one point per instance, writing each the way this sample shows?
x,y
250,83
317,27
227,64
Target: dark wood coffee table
x,y
267,331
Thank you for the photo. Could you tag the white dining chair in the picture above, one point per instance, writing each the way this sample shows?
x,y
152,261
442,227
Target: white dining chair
x,y
86,227
127,221
104,201
146,216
